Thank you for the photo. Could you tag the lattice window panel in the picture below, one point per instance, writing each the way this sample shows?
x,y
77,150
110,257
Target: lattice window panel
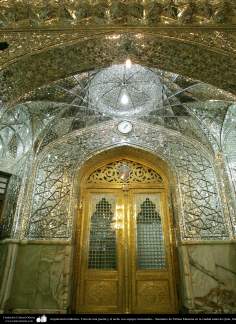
x,y
150,243
102,238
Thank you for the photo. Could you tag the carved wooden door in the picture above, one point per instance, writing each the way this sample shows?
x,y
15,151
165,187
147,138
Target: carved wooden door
x,y
125,260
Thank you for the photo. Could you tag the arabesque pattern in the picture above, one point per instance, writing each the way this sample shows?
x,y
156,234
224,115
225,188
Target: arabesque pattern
x,y
138,174
201,217
201,205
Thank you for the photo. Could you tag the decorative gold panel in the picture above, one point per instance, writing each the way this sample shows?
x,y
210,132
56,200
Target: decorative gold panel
x,y
110,173
153,294
101,293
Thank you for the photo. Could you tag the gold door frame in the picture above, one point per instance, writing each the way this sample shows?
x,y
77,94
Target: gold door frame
x,y
139,156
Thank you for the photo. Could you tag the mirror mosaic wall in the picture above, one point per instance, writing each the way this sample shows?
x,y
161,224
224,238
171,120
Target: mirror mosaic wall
x,y
49,129
47,137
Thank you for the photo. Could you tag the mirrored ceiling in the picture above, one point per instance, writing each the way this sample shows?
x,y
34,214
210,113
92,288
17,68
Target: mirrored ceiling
x,y
125,91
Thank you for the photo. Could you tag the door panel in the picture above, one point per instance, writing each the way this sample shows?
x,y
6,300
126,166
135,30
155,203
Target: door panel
x,y
126,261
100,287
152,273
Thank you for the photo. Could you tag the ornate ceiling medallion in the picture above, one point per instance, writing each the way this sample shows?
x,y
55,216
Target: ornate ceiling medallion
x,y
125,91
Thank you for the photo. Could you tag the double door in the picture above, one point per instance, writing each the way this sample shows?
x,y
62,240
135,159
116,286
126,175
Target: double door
x,y
125,262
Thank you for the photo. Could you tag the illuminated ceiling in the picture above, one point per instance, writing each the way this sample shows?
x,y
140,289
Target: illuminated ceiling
x,y
124,90
193,108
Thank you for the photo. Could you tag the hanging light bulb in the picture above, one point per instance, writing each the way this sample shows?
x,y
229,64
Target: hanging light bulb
x,y
128,63
124,98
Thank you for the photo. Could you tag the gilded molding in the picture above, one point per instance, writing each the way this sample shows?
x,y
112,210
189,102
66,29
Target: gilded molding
x,y
28,42
45,66
51,14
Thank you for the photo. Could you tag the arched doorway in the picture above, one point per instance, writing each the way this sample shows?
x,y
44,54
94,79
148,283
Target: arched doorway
x,y
125,261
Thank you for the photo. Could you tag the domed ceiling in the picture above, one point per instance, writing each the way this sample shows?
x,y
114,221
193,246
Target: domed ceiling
x,y
124,90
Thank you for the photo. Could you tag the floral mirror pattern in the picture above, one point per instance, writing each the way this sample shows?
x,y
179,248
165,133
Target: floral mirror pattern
x,y
195,111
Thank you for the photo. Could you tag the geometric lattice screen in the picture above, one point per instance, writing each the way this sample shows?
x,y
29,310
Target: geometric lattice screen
x,y
150,242
102,239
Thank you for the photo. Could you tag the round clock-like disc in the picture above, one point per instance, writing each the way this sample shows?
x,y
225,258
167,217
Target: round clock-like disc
x,y
125,127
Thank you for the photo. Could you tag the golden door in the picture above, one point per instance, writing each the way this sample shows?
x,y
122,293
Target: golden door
x,y
126,261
